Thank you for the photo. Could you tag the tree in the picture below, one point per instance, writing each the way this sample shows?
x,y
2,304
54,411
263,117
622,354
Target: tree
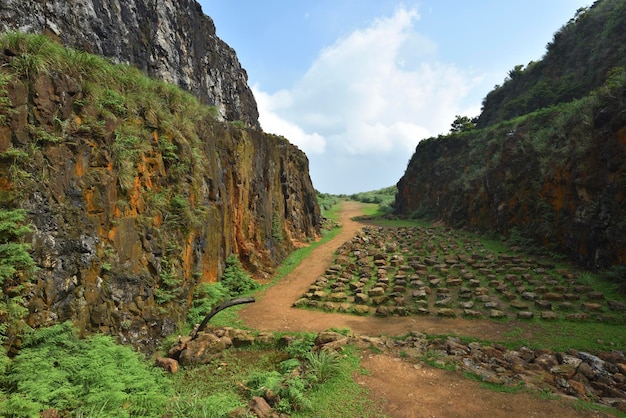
x,y
516,72
463,124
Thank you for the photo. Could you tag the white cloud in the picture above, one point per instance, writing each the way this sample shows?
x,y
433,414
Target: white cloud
x,y
373,94
271,122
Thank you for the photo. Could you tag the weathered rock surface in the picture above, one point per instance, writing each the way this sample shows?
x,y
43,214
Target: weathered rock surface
x,y
130,215
546,178
169,39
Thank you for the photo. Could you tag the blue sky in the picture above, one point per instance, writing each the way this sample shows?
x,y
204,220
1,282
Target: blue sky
x,y
356,84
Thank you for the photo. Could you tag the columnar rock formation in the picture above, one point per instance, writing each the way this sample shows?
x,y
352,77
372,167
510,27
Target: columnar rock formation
x,y
541,168
136,193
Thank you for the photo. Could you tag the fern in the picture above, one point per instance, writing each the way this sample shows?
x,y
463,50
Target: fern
x,y
235,278
206,297
93,377
14,255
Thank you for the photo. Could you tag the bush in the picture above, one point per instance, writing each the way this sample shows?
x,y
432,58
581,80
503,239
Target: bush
x,y
285,393
94,377
235,278
16,266
206,297
323,365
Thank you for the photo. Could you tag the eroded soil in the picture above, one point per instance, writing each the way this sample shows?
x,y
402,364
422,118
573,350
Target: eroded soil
x,y
399,387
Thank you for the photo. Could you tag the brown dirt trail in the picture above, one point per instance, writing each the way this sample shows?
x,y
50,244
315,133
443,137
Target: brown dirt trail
x,y
397,386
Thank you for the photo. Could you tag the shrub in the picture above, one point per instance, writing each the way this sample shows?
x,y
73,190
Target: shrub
x,y
16,264
301,347
94,377
286,394
323,364
206,297
235,279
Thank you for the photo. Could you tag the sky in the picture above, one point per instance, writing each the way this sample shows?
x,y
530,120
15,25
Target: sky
x,y
356,84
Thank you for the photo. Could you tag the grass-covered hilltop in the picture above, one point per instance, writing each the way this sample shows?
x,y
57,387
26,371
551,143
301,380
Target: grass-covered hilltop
x,y
545,161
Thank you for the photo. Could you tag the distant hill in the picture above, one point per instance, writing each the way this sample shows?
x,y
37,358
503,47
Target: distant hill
x,y
545,162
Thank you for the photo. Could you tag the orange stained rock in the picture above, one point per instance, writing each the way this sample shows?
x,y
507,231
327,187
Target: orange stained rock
x,y
5,184
144,170
136,203
112,233
90,281
188,256
209,269
555,190
88,196
79,167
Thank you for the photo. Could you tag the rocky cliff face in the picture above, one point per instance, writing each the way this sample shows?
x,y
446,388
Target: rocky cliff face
x,y
136,193
169,39
557,178
541,168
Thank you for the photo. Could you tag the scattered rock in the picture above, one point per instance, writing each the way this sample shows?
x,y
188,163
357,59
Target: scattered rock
x,y
168,364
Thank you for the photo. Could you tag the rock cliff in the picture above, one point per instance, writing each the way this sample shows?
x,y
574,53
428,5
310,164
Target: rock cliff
x,y
555,173
136,192
555,178
169,39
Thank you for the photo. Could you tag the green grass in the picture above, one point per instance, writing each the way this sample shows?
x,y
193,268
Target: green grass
x,y
372,209
341,396
561,336
495,387
399,223
586,407
213,389
218,385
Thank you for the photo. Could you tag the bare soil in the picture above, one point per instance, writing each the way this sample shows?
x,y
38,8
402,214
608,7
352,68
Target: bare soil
x,y
400,388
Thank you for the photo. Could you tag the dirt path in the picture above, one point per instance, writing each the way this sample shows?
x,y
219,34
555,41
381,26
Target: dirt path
x,y
400,388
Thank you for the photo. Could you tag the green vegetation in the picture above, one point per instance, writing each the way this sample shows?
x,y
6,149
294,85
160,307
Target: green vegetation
x,y
89,377
562,335
235,282
235,279
384,198
169,286
592,36
16,268
130,121
96,377
326,201
463,124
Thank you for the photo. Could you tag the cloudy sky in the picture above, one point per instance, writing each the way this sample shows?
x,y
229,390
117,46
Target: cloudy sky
x,y
356,84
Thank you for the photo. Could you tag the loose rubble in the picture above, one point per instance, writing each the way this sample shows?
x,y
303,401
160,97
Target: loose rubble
x,y
599,378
